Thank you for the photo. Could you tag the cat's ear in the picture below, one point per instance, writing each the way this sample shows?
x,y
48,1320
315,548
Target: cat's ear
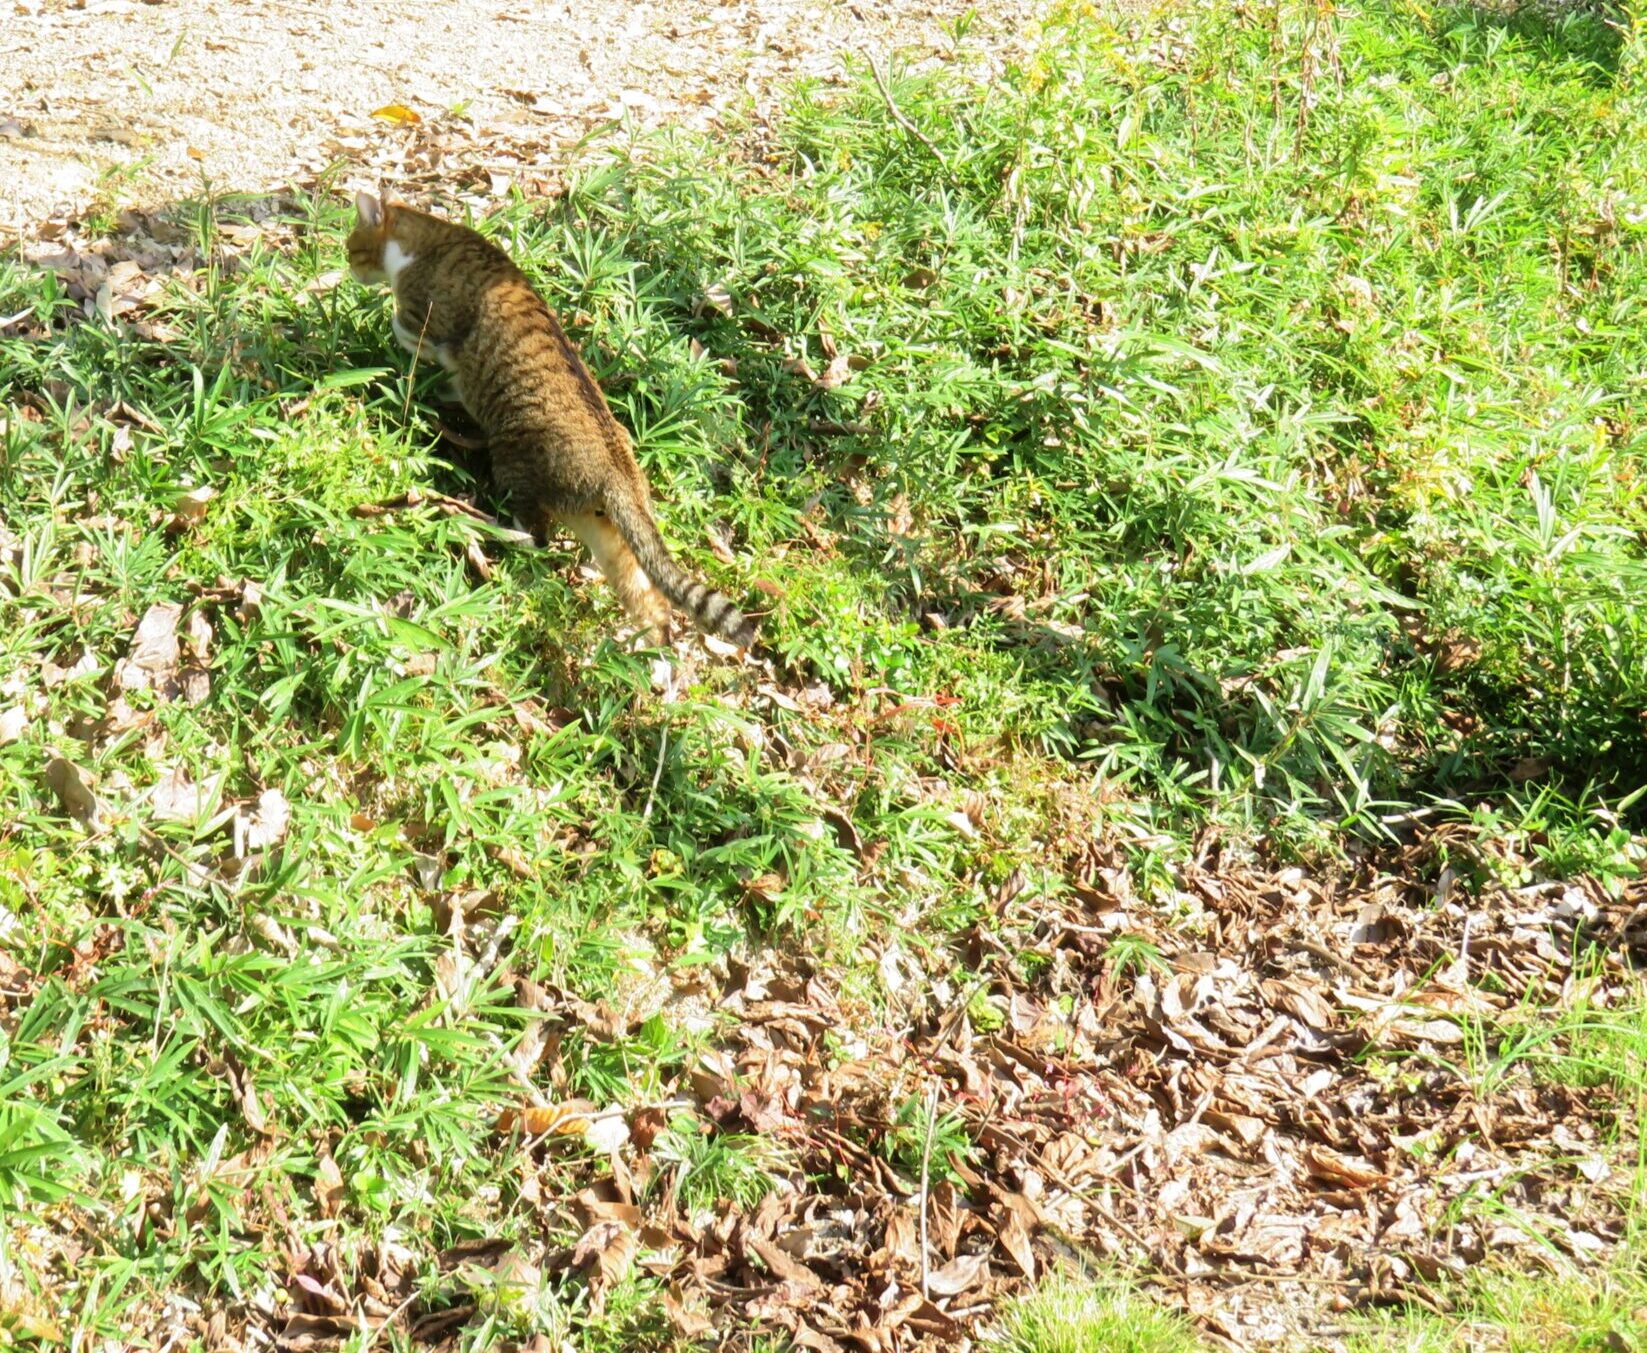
x,y
370,209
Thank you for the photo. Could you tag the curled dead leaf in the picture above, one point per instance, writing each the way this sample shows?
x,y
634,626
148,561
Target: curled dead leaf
x,y
716,299
189,509
151,662
836,374
1348,1171
73,788
607,1133
688,1321
329,1186
176,798
568,1119
960,1273
605,1252
267,824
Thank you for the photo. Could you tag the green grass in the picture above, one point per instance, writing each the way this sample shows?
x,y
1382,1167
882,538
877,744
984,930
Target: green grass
x,y
1246,436
1567,1311
1091,1314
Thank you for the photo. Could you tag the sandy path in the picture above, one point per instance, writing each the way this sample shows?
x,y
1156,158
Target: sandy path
x,y
132,103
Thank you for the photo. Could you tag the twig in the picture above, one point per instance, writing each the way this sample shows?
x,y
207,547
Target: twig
x,y
1343,964
657,774
411,376
926,1165
897,114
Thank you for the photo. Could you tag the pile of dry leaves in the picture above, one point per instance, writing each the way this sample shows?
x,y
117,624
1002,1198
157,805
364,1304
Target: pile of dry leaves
x,y
1289,1115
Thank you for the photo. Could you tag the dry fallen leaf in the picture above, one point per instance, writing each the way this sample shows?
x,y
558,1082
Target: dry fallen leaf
x,y
175,798
836,374
397,113
151,662
13,723
606,1251
689,1322
569,1119
267,824
53,675
716,299
1014,1238
606,1134
962,1272
189,509
329,1187
73,788
1348,1171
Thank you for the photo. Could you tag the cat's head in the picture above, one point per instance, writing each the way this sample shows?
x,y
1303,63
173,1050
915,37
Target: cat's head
x,y
366,240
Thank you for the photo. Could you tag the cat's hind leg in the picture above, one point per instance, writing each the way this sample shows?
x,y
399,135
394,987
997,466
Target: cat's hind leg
x,y
617,562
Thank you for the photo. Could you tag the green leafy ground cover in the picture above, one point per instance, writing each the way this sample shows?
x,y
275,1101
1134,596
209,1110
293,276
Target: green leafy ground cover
x,y
1220,441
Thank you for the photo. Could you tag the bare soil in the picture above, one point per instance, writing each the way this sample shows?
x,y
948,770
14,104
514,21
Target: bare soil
x,y
132,104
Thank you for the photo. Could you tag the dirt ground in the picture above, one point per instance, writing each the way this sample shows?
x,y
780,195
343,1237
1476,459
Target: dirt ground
x,y
137,103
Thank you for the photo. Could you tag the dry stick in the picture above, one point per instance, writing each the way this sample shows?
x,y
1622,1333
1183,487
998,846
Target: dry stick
x,y
897,114
394,1315
411,376
926,1164
657,775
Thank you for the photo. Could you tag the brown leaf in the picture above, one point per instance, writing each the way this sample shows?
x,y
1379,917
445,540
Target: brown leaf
x,y
689,1322
73,788
1349,1171
804,1336
944,1217
570,1119
53,675
14,723
780,1264
716,299
245,1094
151,662
960,1273
189,509
836,374
606,1250
175,798
267,824
198,635
645,1125
1014,1238
329,1186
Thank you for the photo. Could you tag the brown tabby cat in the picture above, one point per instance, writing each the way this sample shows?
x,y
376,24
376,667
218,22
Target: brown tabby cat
x,y
557,452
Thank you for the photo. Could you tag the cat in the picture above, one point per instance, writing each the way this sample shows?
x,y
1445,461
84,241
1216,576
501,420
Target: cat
x,y
557,452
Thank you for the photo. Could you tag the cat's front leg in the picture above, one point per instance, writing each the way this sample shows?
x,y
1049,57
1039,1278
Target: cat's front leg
x,y
418,343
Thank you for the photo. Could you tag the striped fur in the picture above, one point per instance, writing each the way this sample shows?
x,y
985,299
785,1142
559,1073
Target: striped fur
x,y
557,452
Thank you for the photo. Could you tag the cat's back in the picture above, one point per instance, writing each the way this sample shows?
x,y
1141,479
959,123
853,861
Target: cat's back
x,y
466,265
522,369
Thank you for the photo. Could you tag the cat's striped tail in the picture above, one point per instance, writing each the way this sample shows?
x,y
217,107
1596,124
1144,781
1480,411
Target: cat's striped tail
x,y
711,611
